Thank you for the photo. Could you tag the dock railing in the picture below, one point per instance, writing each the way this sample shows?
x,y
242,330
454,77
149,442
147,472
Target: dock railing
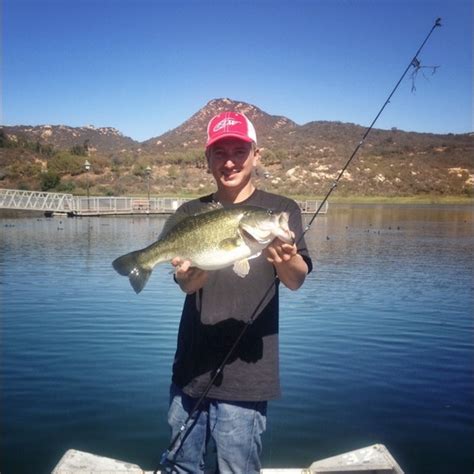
x,y
36,201
109,205
63,203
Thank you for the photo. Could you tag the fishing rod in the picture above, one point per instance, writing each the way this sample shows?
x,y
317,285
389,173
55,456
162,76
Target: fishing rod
x,y
182,431
413,63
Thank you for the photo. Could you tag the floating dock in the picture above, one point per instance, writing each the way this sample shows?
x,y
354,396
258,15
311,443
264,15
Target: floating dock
x,y
375,459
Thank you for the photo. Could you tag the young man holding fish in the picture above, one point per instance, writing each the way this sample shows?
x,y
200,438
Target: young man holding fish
x,y
219,303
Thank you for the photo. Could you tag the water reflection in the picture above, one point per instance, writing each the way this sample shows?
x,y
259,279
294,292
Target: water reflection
x,y
376,347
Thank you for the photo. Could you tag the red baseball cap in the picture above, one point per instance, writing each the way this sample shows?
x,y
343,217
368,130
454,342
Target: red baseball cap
x,y
230,124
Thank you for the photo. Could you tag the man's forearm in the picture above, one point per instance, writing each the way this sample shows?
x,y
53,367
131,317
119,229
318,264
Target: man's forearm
x,y
292,272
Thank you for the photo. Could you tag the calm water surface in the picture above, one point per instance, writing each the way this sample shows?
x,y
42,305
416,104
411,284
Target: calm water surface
x,y
377,347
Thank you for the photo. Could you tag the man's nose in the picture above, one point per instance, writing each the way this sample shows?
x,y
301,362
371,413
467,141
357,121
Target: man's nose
x,y
228,161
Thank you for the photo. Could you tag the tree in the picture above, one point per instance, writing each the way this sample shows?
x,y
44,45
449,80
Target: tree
x,y
49,180
80,150
4,142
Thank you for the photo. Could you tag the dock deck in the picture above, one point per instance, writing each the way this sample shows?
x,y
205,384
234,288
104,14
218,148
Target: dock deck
x,y
375,459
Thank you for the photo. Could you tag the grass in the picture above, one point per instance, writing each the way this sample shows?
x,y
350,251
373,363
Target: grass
x,y
335,199
418,199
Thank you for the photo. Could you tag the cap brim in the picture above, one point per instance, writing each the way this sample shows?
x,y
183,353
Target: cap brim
x,y
229,135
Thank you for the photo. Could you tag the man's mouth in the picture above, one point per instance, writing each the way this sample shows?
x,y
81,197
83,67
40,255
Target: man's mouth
x,y
227,174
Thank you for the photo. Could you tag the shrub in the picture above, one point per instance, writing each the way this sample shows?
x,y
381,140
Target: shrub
x,y
65,163
49,180
66,187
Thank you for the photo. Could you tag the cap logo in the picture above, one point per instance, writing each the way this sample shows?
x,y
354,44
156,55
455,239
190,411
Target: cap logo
x,y
227,122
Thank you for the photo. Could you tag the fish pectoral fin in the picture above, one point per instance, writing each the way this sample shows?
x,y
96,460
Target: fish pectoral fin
x,y
230,244
242,268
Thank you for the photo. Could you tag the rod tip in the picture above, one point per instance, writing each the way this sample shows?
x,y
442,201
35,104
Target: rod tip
x,y
438,21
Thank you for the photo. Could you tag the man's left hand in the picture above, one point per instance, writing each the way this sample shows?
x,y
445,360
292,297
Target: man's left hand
x,y
289,264
279,251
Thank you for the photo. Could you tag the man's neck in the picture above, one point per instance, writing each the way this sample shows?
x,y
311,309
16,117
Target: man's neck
x,y
227,195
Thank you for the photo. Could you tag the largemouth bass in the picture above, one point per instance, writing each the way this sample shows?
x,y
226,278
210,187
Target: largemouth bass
x,y
211,240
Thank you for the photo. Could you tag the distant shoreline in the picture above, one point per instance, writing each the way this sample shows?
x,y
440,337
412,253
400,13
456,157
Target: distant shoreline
x,y
352,199
336,201
402,200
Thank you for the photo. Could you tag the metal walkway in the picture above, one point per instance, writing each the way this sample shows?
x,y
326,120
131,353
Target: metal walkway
x,y
67,204
36,201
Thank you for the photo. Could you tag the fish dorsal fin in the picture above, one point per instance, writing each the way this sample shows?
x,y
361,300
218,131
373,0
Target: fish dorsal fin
x,y
172,222
208,207
242,268
179,216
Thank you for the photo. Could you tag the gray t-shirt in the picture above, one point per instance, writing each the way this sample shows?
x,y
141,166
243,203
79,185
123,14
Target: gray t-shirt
x,y
213,318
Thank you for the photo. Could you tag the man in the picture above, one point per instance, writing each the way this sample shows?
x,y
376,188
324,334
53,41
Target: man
x,y
216,308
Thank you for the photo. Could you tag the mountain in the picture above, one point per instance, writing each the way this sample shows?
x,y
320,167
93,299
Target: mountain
x,y
278,132
63,137
295,159
192,132
273,131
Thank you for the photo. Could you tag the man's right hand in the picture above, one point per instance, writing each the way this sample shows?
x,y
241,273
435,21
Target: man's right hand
x,y
190,279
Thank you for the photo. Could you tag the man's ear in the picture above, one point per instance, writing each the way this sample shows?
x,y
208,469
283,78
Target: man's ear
x,y
207,155
256,156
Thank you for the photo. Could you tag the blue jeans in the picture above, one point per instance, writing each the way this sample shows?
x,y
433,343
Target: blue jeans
x,y
235,428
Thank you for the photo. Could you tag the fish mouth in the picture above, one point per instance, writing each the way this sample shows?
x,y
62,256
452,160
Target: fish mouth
x,y
252,238
255,237
265,233
283,231
286,237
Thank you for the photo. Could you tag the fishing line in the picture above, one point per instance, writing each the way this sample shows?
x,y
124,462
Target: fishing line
x,y
415,63
417,68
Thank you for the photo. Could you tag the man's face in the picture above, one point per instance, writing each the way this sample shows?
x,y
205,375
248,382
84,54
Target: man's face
x,y
231,162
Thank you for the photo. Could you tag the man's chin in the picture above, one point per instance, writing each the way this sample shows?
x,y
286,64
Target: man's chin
x,y
232,180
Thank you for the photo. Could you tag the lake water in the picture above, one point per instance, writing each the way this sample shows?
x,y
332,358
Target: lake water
x,y
377,347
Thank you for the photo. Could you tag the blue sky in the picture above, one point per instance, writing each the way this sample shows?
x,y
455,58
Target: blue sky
x,y
145,66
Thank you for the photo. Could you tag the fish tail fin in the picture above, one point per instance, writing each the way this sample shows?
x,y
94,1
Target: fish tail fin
x,y
129,265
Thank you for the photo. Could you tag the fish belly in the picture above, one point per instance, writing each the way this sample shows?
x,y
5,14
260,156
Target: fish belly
x,y
217,259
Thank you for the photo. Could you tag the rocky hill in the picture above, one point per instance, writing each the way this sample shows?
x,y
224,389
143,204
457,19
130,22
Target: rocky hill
x,y
62,137
192,133
296,159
